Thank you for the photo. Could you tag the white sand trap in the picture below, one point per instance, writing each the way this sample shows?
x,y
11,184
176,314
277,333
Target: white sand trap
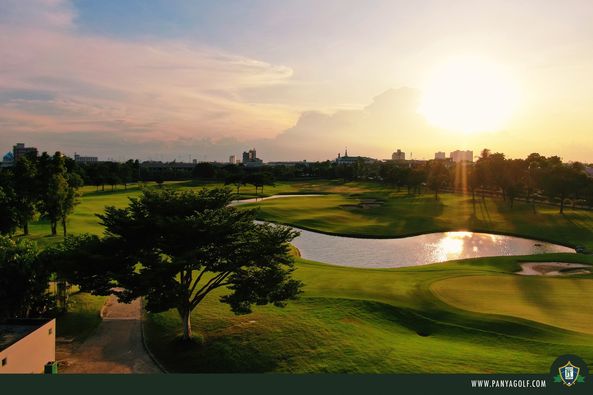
x,y
553,269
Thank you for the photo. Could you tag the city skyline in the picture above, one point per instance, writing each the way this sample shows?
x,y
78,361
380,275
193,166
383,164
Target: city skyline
x,y
171,80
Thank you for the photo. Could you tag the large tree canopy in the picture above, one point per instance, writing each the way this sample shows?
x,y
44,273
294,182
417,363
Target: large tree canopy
x,y
23,280
174,248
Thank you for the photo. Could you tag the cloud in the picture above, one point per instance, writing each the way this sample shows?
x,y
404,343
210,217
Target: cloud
x,y
55,80
391,119
164,99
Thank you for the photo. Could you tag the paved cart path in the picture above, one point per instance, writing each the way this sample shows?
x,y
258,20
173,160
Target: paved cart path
x,y
115,347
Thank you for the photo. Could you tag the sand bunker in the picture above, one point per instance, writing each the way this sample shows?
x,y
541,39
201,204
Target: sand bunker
x,y
553,269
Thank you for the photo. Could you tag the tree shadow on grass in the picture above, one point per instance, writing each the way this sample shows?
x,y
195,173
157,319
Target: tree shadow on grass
x,y
417,214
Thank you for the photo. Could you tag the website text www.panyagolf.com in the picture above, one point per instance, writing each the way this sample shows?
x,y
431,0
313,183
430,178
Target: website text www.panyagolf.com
x,y
501,383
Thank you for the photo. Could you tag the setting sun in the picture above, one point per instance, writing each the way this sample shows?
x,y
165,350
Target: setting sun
x,y
469,95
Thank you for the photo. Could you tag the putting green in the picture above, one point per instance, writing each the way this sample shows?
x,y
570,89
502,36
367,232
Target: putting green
x,y
560,302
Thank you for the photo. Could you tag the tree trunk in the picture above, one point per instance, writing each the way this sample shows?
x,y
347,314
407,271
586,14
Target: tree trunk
x,y
562,205
64,226
54,228
186,322
26,228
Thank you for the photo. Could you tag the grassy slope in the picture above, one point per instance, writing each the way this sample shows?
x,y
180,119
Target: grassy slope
x,y
548,300
402,215
82,317
355,320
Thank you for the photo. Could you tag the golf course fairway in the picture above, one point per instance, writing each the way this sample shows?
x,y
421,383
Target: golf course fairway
x,y
466,316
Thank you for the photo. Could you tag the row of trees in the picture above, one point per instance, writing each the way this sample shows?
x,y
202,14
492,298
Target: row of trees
x,y
533,179
110,173
44,185
258,179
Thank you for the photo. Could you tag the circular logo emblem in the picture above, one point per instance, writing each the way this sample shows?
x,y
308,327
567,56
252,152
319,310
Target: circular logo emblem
x,y
569,370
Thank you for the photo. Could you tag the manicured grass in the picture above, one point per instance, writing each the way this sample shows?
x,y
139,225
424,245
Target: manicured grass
x,y
402,214
484,319
82,317
371,321
92,202
553,301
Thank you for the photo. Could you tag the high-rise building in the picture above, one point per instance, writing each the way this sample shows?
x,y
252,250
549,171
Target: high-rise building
x,y
19,150
232,159
440,155
250,158
398,155
462,156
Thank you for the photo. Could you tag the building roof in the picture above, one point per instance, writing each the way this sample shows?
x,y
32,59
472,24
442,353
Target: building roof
x,y
12,331
8,157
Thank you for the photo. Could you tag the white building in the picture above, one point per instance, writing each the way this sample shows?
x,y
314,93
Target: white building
x,y
440,155
233,159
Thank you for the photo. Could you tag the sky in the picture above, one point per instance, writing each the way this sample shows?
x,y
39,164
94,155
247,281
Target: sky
x,y
181,79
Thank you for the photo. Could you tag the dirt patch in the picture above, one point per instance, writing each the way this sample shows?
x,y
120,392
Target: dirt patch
x,y
553,269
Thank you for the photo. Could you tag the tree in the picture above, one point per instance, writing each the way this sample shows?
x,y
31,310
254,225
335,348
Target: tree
x,y
203,170
414,180
58,192
174,248
9,219
560,181
236,179
69,199
438,177
23,280
514,179
473,182
259,180
25,190
113,174
126,172
535,162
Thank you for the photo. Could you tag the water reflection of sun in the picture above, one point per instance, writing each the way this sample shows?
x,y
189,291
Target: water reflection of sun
x,y
451,246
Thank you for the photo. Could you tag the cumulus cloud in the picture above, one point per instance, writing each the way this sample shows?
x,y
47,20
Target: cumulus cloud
x,y
391,119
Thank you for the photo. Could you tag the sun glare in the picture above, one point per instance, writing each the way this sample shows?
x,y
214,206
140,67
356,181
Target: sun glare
x,y
469,94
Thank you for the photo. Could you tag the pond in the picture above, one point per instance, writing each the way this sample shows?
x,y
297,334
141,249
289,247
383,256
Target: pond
x,y
415,250
410,251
